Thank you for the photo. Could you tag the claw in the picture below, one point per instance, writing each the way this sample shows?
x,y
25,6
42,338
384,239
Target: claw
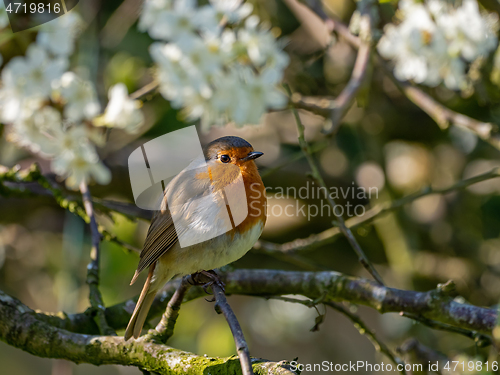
x,y
190,281
214,279
206,286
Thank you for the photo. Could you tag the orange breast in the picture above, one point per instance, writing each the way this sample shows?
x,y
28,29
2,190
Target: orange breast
x,y
256,199
221,176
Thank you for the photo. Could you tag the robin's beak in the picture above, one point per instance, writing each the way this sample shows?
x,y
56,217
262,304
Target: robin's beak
x,y
252,155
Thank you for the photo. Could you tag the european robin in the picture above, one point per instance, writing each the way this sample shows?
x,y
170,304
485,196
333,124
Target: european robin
x,y
203,201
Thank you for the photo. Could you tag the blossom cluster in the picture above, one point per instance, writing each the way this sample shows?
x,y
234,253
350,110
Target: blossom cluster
x,y
436,40
216,62
54,112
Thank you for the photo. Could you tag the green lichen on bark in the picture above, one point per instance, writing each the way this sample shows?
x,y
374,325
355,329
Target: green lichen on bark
x,y
332,286
22,327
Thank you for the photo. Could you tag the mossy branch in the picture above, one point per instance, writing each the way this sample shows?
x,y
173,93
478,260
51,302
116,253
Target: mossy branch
x,y
22,328
438,305
95,296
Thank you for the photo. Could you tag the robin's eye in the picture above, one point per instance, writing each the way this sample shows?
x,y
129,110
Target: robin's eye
x,y
225,158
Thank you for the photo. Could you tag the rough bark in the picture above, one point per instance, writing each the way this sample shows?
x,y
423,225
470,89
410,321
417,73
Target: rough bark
x,y
437,304
22,328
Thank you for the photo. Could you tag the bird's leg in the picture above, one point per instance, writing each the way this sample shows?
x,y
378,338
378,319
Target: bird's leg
x,y
215,279
200,278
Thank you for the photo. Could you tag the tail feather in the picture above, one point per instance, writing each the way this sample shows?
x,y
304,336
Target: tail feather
x,y
142,307
134,279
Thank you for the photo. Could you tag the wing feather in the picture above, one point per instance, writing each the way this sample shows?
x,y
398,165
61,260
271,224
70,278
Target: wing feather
x,y
162,234
160,238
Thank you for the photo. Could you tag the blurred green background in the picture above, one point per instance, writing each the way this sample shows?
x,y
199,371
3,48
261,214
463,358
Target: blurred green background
x,y
387,143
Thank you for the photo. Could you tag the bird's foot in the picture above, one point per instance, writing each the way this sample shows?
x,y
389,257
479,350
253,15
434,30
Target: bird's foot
x,y
207,279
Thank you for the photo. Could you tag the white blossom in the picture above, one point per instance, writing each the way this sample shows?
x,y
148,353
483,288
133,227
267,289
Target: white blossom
x,y
77,159
58,36
76,169
80,97
416,45
187,69
33,74
260,44
123,112
232,10
212,72
13,102
151,10
435,41
177,83
37,129
469,33
183,20
202,55
243,97
28,82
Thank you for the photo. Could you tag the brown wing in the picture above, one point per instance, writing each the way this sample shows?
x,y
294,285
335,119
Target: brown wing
x,y
162,234
160,238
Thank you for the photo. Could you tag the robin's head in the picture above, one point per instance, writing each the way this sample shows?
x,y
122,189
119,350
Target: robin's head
x,y
231,150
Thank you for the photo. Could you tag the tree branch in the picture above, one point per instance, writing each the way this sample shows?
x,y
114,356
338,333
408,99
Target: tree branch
x,y
358,323
118,315
419,353
222,306
328,236
343,102
165,328
443,116
332,286
95,296
364,330
435,304
316,175
22,328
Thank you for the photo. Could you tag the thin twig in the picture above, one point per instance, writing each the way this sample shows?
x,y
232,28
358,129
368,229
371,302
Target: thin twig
x,y
364,330
443,116
120,22
480,339
21,181
146,89
316,175
107,236
422,354
221,305
95,296
357,321
343,102
335,109
293,158
328,236
165,328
